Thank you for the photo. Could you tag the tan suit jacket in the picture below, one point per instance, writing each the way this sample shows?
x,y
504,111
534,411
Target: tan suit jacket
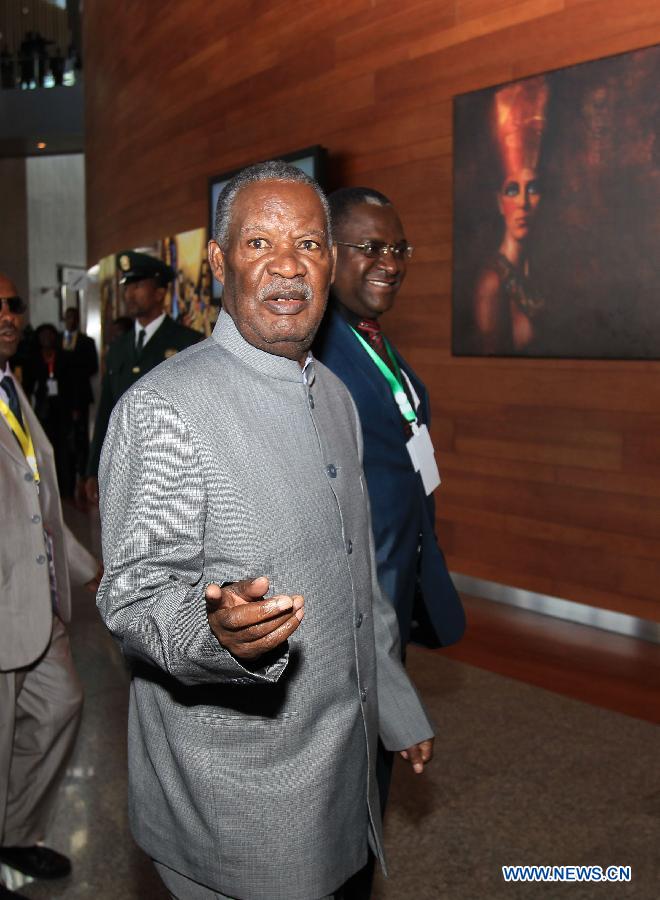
x,y
25,599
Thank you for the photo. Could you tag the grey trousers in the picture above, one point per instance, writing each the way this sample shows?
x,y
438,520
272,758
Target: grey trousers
x,y
182,888
40,708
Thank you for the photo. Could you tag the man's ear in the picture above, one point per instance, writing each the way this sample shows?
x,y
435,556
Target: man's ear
x,y
334,264
217,260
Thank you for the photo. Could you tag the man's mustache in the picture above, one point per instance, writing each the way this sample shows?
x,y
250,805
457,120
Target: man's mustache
x,y
291,288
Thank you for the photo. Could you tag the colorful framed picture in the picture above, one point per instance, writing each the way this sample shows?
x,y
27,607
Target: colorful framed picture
x,y
557,213
189,297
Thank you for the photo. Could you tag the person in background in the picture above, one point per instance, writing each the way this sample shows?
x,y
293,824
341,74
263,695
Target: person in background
x,y
154,338
394,411
393,403
40,693
57,65
20,362
81,363
26,60
40,50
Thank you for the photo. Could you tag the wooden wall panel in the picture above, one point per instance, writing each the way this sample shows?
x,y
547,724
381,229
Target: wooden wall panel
x,y
551,468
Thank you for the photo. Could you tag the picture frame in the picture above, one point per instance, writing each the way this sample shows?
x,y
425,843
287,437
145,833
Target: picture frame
x,y
557,211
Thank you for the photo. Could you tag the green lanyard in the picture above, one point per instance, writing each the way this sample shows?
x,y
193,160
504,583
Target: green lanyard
x,y
395,381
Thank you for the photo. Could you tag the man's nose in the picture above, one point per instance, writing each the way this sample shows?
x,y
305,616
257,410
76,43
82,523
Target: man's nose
x,y
286,262
388,263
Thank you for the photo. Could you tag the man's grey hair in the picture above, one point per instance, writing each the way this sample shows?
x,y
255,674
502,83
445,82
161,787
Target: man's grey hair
x,y
273,170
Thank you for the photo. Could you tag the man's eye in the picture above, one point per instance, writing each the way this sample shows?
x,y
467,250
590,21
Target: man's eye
x,y
372,248
512,189
257,243
310,245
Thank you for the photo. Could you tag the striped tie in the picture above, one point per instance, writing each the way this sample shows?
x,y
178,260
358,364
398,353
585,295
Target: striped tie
x,y
371,332
8,386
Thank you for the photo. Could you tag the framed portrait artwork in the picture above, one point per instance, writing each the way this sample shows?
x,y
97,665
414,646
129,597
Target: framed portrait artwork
x,y
557,213
189,297
312,160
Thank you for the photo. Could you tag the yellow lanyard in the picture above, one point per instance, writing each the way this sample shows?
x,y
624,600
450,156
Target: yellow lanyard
x,y
24,438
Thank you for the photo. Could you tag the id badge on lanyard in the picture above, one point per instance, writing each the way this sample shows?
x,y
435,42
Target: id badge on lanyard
x,y
422,455
419,446
51,383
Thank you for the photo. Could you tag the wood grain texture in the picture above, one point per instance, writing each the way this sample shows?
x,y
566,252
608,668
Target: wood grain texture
x,y
551,467
606,670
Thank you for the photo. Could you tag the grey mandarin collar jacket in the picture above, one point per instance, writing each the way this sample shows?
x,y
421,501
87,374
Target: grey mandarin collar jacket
x,y
256,781
227,335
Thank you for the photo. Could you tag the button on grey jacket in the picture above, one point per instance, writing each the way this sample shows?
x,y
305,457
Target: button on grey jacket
x,y
223,464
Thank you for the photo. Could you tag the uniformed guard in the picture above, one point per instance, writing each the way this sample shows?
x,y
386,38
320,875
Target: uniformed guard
x,y
155,337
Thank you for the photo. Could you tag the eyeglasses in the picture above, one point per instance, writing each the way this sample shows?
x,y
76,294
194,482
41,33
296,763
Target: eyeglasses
x,y
374,249
14,304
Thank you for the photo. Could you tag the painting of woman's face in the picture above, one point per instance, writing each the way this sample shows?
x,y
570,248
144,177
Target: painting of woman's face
x,y
518,200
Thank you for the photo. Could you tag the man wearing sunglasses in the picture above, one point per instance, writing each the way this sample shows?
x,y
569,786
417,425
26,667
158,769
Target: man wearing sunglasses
x,y
40,694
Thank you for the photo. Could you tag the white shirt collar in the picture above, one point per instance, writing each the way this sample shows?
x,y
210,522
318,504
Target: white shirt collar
x,y
3,372
308,369
149,329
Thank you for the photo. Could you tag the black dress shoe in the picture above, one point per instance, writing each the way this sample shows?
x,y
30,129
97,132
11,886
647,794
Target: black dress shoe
x,y
6,894
37,861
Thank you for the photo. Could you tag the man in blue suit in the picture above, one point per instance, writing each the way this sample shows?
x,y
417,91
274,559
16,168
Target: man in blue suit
x,y
372,256
393,405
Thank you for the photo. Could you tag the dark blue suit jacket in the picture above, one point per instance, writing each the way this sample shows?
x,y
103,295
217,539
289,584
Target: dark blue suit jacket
x,y
403,516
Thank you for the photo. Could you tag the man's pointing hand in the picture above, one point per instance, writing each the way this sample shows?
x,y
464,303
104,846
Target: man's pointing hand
x,y
247,624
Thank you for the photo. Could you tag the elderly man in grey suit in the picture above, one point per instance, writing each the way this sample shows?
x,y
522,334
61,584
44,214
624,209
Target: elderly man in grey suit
x,y
40,694
240,580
